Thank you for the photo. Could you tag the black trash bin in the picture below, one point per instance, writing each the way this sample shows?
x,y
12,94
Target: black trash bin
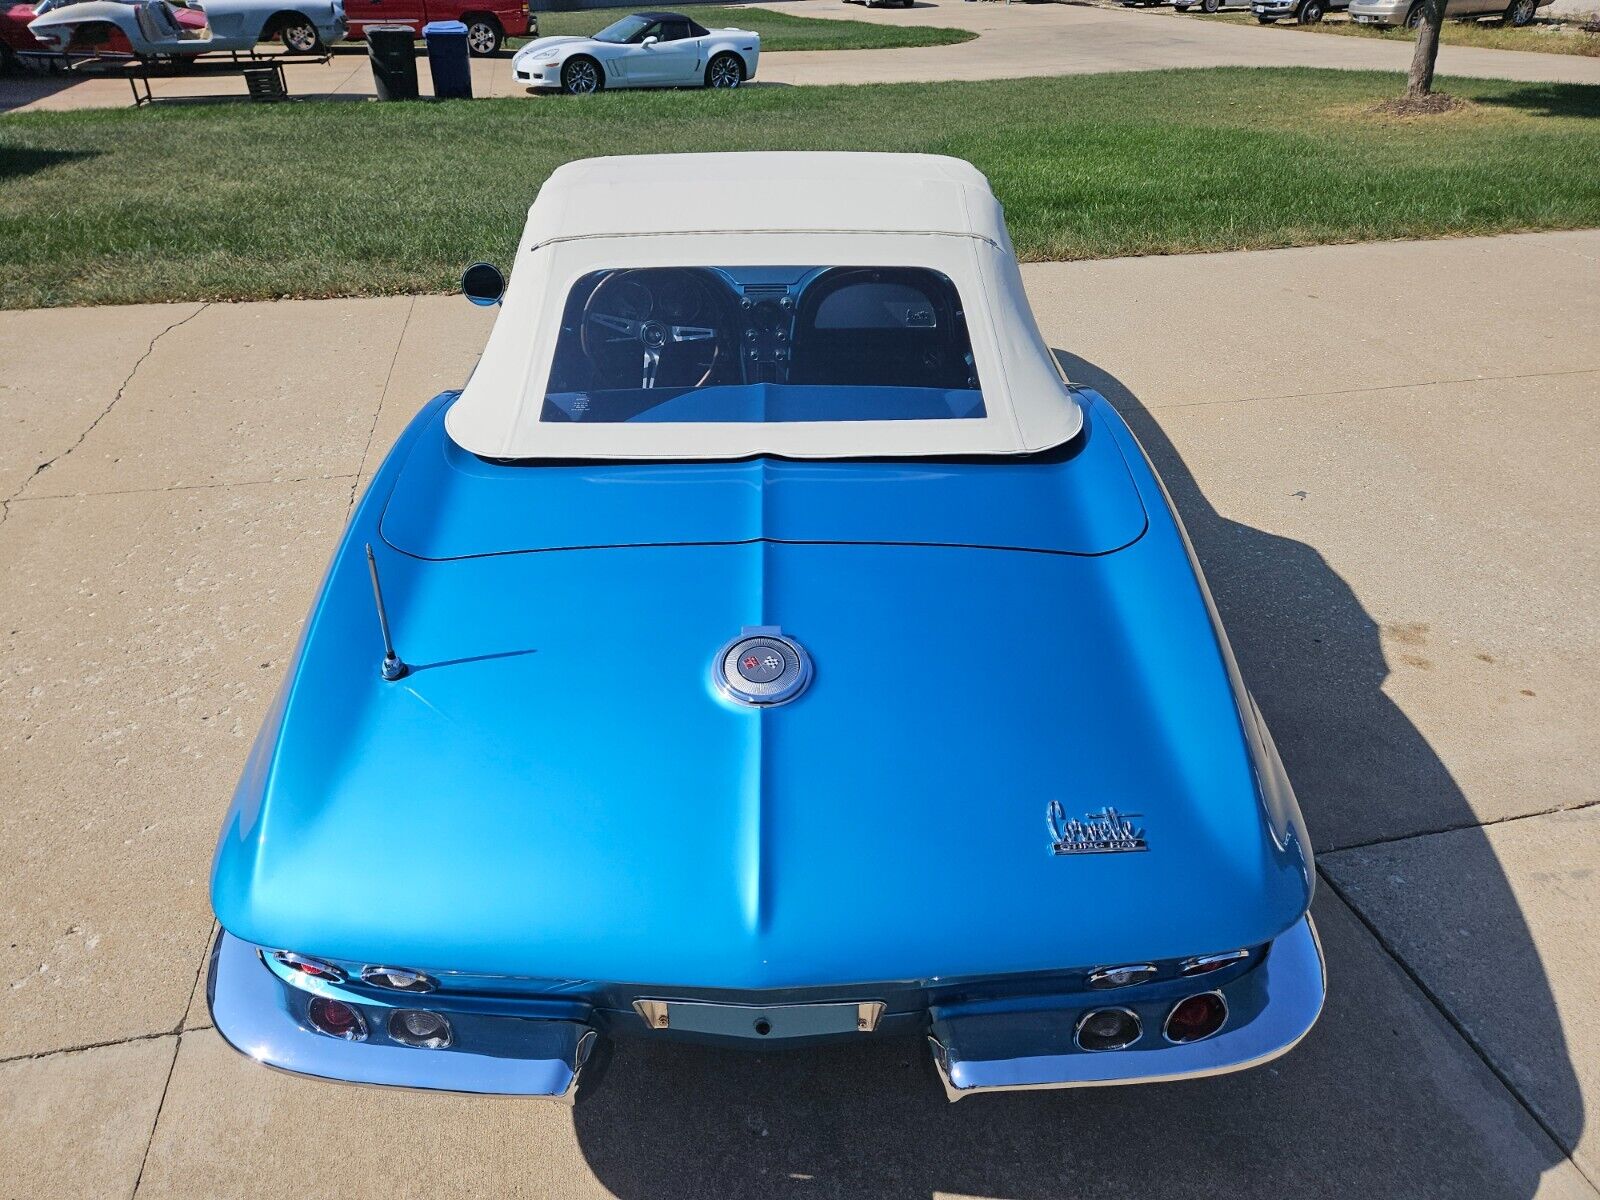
x,y
448,60
392,51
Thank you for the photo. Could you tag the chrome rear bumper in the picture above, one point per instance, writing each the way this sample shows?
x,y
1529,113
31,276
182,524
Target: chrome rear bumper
x,y
496,1055
1271,1008
980,1045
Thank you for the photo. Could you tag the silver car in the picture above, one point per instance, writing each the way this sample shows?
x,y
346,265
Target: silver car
x,y
1387,13
1302,12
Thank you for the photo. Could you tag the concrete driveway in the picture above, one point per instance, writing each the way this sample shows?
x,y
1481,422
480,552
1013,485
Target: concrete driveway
x,y
1015,40
1395,507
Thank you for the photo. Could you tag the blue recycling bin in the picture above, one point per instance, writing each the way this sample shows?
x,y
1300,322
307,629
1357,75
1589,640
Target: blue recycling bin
x,y
448,59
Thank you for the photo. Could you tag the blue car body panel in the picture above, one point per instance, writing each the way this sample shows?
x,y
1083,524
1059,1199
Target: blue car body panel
x,y
557,790
448,503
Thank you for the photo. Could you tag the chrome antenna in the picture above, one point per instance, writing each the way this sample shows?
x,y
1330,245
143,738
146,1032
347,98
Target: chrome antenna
x,y
393,668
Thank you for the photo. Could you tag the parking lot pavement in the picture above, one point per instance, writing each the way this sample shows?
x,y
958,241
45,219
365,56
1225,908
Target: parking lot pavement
x,y
1391,503
1440,902
1015,41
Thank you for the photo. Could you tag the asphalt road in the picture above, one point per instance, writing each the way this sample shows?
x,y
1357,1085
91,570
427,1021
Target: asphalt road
x,y
1385,455
1015,40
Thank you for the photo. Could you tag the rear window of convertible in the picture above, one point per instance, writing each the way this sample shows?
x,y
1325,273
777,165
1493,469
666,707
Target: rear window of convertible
x,y
701,344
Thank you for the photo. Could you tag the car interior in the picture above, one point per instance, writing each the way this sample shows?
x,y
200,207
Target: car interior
x,y
631,340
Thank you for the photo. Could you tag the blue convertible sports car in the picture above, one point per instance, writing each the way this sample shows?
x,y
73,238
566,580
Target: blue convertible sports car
x,y
767,645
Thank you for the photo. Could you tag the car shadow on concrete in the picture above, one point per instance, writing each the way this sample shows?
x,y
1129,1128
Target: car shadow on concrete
x,y
1383,1098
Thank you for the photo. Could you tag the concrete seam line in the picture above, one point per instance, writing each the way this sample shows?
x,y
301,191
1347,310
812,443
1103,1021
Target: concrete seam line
x,y
1381,387
79,1049
106,411
1568,1152
183,487
1421,833
155,1122
382,396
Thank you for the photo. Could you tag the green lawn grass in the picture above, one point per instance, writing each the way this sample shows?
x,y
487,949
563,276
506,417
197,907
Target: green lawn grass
x,y
778,30
318,199
1544,36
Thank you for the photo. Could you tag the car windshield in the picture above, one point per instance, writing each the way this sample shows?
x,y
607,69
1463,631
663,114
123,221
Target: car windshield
x,y
624,30
754,344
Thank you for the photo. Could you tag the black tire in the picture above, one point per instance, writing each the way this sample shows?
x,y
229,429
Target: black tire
x,y
1311,13
1414,17
1522,12
484,36
1210,6
1180,8
299,36
582,76
724,71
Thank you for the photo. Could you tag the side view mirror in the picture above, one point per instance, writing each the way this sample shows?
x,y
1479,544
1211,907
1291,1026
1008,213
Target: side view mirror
x,y
650,41
483,284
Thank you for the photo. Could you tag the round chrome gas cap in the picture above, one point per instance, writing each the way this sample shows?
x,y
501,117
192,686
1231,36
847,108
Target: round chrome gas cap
x,y
762,668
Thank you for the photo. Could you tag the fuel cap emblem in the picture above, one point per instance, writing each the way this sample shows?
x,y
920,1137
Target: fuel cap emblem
x,y
761,667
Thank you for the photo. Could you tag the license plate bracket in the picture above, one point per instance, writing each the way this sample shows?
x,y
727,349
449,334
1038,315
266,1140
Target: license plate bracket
x,y
761,1022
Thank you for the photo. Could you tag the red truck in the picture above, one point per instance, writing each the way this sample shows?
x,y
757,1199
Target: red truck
x,y
488,22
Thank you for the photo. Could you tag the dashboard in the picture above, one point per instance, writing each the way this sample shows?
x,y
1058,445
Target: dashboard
x,y
819,326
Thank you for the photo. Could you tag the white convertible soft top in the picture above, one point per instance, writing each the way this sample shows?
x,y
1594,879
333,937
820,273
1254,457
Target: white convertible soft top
x,y
765,209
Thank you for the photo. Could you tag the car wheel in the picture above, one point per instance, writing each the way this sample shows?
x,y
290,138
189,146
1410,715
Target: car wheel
x,y
1522,12
300,37
484,36
1210,6
1310,12
1414,17
581,77
724,71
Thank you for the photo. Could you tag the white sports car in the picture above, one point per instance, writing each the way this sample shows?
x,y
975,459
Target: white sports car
x,y
644,49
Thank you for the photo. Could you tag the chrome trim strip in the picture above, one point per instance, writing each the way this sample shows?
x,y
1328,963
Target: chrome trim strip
x,y
1101,979
329,973
1293,979
263,1018
1206,963
376,975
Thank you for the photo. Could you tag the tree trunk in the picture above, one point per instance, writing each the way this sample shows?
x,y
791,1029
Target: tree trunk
x,y
1420,82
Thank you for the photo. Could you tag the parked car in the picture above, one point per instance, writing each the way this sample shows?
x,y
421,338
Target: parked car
x,y
1302,12
1387,13
643,49
488,22
103,38
767,646
154,28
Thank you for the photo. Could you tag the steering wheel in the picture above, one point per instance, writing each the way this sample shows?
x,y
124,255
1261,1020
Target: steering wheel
x,y
647,328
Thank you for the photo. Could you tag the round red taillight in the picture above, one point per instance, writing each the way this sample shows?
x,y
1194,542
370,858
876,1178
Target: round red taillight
x,y
1195,1017
337,1019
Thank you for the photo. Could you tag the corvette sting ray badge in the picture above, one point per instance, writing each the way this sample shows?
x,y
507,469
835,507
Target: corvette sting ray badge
x,y
1105,832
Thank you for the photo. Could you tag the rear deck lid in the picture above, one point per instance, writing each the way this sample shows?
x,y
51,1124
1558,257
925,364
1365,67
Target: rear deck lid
x,y
1078,499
